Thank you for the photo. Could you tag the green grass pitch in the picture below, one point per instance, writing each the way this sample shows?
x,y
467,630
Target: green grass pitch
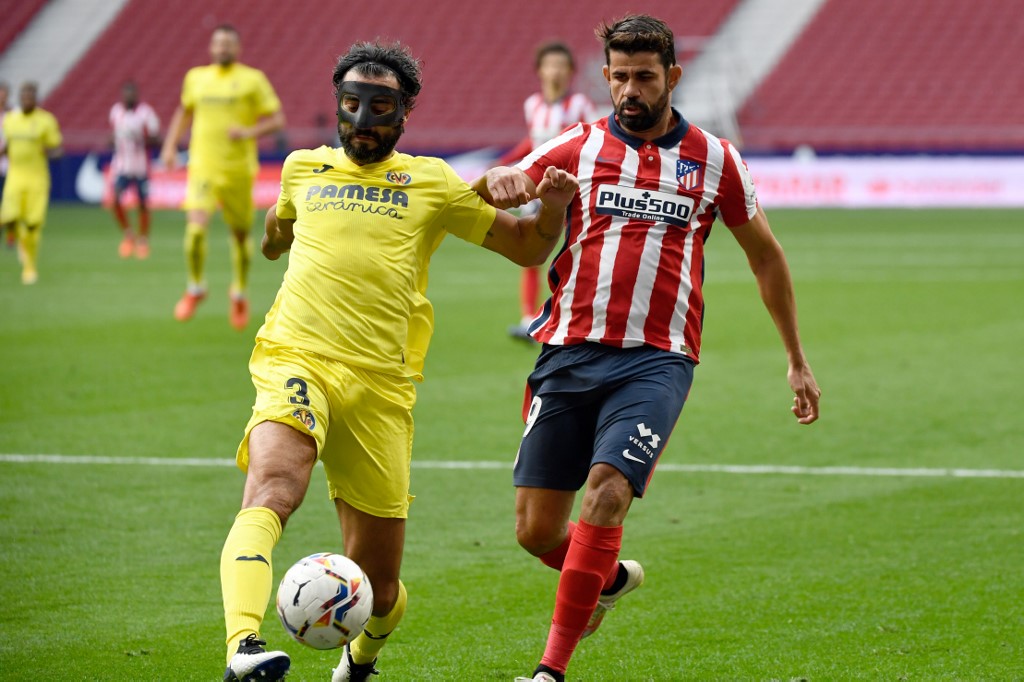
x,y
912,321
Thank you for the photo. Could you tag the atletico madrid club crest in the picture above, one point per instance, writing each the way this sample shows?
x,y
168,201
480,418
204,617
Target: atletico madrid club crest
x,y
690,174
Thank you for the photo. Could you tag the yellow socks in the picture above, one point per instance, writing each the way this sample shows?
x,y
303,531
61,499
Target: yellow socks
x,y
29,242
241,256
246,575
195,255
368,644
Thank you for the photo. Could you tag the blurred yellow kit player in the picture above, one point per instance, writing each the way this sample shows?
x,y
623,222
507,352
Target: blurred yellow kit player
x,y
230,105
31,137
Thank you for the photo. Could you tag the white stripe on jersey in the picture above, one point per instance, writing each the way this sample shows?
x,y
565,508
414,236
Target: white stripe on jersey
x,y
749,193
610,247
712,177
587,159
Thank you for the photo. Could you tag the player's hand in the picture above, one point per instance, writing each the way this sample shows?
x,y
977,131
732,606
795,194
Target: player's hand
x,y
239,133
807,393
169,158
507,187
271,251
557,188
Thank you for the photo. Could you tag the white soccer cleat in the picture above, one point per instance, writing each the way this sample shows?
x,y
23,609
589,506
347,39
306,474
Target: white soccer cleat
x,y
252,663
539,677
350,671
606,602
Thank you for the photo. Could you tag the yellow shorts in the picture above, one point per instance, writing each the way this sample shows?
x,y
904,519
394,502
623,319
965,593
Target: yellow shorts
x,y
361,421
231,191
25,200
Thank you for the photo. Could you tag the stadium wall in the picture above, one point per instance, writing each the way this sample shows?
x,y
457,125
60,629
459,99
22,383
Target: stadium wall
x,y
792,182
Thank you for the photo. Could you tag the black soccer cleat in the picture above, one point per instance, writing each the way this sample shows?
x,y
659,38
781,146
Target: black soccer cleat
x,y
253,663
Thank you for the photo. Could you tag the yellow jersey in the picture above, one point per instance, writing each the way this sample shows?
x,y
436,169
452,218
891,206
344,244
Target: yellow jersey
x,y
28,138
355,287
220,97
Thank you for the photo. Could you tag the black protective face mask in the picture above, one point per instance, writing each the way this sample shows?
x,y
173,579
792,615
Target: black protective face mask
x,y
363,117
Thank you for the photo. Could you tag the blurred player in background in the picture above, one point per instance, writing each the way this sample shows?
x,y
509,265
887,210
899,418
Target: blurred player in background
x,y
621,331
548,113
31,137
229,105
135,129
5,93
336,360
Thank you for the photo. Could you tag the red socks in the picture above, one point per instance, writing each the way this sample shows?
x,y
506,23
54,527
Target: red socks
x,y
590,561
556,558
119,214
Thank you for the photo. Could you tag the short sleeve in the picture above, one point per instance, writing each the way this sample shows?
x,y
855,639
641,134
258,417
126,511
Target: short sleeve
x,y
152,121
266,99
559,152
188,90
285,206
588,112
466,214
52,137
738,203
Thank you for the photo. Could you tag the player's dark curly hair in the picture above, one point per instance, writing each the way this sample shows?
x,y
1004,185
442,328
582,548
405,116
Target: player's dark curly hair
x,y
638,33
376,60
554,47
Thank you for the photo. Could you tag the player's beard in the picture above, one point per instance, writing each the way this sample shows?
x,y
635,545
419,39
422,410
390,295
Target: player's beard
x,y
648,116
360,154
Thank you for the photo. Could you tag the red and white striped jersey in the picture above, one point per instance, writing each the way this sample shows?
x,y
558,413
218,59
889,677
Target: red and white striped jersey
x,y
544,121
632,265
131,129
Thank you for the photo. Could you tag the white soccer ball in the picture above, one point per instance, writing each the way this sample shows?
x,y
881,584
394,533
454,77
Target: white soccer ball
x,y
324,601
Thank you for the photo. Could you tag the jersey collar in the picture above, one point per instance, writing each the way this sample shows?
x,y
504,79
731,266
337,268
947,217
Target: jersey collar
x,y
670,139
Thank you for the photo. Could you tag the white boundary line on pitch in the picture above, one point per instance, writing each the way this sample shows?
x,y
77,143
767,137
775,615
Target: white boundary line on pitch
x,y
742,469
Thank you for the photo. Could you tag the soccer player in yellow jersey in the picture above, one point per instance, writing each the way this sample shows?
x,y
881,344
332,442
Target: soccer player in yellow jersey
x,y
5,92
31,137
230,105
345,340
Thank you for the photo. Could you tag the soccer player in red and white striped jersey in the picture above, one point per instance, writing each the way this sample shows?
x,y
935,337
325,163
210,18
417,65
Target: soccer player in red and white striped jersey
x,y
621,331
547,113
135,129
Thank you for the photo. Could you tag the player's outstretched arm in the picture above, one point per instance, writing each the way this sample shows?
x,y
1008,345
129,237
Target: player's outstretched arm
x,y
768,263
529,241
278,235
270,123
179,121
505,187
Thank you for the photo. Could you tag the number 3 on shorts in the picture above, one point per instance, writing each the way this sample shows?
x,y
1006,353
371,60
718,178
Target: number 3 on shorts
x,y
300,397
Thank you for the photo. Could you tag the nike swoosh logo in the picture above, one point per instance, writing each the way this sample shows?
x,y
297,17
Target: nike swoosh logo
x,y
258,557
625,453
326,167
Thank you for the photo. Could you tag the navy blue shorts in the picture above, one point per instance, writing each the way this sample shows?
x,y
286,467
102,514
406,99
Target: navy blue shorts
x,y
591,403
122,182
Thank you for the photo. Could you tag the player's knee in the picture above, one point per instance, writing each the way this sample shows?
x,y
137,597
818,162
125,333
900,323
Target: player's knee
x,y
538,537
608,496
281,492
